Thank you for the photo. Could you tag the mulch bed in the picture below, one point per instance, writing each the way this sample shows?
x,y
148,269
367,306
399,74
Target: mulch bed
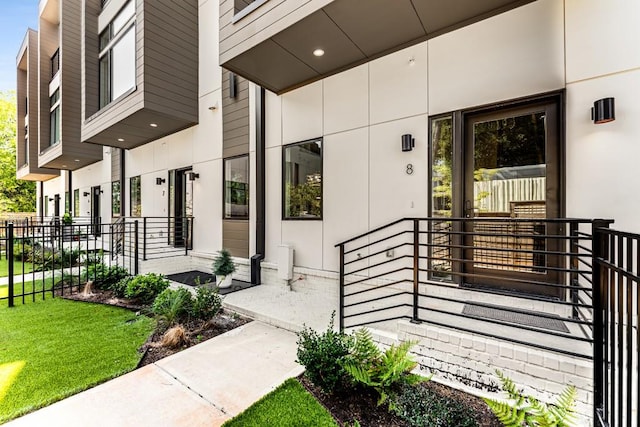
x,y
362,405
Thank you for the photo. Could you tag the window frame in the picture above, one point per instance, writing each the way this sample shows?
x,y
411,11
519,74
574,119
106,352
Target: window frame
x,y
224,187
55,134
115,184
107,52
76,202
139,198
284,184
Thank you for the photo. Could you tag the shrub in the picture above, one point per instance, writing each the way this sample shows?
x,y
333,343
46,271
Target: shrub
x,y
119,288
322,354
145,288
524,410
172,305
22,252
104,277
206,304
367,365
223,264
420,406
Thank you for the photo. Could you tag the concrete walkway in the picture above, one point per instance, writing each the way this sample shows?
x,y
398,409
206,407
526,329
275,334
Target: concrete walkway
x,y
201,386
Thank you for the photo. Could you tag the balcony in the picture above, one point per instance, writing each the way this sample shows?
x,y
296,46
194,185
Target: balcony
x,y
153,90
272,42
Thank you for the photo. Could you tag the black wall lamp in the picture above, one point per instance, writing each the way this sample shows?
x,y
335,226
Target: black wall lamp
x,y
603,111
408,142
193,176
85,193
160,181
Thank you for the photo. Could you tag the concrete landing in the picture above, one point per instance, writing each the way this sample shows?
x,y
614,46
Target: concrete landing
x,y
201,386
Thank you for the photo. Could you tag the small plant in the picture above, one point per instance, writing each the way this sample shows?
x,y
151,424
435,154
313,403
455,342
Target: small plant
x,y
206,304
119,288
223,264
103,276
522,410
67,219
172,305
367,365
322,354
175,337
146,287
421,406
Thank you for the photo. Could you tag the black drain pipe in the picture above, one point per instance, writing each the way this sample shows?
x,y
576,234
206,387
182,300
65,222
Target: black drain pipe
x,y
260,187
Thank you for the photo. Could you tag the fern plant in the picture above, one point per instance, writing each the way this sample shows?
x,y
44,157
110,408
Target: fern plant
x,y
522,410
382,371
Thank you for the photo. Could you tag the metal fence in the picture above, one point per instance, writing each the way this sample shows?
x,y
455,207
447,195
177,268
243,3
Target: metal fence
x,y
45,260
616,331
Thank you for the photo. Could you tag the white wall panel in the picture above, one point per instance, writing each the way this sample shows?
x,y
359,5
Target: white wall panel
x,y
273,202
394,193
346,191
207,207
517,53
273,121
346,100
602,160
602,37
399,84
207,135
306,239
302,113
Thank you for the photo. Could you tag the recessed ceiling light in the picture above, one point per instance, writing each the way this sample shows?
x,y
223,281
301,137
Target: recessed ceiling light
x,y
318,52
64,166
120,139
153,125
76,160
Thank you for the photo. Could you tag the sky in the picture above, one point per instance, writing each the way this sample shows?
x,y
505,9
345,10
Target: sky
x,y
15,17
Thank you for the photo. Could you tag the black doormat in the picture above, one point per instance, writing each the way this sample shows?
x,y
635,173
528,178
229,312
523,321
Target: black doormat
x,y
198,278
497,313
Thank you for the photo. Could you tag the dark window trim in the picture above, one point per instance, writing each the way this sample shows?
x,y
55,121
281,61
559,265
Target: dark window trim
x,y
139,177
247,10
55,63
224,187
283,186
118,213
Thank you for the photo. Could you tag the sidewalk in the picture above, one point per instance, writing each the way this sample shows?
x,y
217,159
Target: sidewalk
x,y
209,383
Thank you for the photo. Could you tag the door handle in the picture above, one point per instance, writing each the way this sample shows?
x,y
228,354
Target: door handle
x,y
468,209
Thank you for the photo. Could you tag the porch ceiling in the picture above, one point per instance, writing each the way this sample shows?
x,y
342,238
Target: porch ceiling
x,y
351,34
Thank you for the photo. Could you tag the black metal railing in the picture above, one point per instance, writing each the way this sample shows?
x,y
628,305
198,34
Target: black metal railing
x,y
52,259
164,237
616,331
531,277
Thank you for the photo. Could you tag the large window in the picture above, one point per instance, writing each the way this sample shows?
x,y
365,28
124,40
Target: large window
x,y
76,202
135,198
302,184
118,55
54,118
115,198
236,188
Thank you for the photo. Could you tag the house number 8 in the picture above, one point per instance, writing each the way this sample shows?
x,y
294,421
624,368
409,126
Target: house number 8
x,y
409,169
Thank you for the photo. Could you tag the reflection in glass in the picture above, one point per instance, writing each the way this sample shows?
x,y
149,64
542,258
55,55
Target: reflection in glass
x,y
441,197
135,198
303,180
236,187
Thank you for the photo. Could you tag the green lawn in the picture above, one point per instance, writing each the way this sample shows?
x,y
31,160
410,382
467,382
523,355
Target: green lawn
x,y
54,348
288,405
17,267
26,288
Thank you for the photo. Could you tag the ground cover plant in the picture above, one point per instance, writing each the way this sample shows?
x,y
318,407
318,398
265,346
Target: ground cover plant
x,y
54,348
288,405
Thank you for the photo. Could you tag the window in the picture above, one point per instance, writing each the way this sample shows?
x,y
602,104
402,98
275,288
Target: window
x,y
302,184
118,55
236,188
67,202
76,202
54,118
441,162
45,201
135,198
115,198
55,63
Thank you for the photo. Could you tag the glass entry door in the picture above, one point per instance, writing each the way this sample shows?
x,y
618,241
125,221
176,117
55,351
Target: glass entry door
x,y
180,207
511,171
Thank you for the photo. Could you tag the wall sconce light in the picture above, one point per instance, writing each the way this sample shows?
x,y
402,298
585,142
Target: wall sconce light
x,y
603,111
408,142
160,181
193,176
233,85
85,193
51,199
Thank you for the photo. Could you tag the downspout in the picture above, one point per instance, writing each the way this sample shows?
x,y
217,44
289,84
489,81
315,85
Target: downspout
x,y
260,187
41,202
70,193
122,192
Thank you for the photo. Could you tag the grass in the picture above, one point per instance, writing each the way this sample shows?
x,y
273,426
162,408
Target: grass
x,y
17,267
288,405
55,348
26,289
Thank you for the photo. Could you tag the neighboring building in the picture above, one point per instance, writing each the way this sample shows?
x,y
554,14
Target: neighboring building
x,y
152,126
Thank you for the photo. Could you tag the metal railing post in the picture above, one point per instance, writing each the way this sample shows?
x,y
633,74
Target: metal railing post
x,y
416,269
144,238
341,314
573,267
10,261
598,276
186,234
136,265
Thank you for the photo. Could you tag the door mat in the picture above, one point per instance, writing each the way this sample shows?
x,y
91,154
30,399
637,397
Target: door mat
x,y
196,278
497,313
